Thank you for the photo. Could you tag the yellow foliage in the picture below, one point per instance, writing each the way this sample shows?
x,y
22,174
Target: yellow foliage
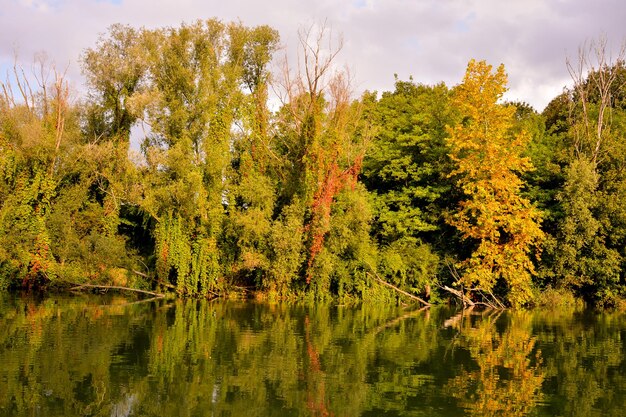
x,y
489,159
509,379
118,276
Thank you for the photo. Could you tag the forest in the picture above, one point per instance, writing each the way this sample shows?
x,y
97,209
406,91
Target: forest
x,y
193,167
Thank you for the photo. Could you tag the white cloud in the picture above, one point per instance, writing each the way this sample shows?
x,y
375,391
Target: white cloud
x,y
429,39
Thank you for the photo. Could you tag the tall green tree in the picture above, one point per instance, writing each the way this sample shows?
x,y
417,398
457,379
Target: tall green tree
x,y
196,93
406,170
585,252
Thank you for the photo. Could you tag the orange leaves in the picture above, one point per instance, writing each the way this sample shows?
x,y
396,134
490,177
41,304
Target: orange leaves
x,y
333,183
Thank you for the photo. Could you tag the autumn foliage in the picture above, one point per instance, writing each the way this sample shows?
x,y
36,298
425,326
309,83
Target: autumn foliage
x,y
494,216
198,164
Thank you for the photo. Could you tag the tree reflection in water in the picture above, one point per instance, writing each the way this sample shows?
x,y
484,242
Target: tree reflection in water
x,y
102,357
509,376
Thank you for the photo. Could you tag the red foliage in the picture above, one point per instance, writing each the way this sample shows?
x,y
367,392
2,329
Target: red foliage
x,y
332,184
317,406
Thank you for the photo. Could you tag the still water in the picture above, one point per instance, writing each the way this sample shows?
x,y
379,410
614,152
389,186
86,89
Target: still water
x,y
95,356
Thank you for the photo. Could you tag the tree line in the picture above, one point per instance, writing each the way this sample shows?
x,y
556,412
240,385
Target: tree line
x,y
428,189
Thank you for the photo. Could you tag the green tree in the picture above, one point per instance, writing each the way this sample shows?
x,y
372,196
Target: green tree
x,y
256,256
406,161
116,71
585,253
406,170
197,72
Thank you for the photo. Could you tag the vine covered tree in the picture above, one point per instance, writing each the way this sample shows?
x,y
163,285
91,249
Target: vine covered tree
x,y
323,139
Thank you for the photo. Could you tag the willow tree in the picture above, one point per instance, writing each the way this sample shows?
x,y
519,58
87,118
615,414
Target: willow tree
x,y
192,103
500,224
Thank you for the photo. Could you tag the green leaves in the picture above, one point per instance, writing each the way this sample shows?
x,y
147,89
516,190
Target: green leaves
x,y
227,191
405,170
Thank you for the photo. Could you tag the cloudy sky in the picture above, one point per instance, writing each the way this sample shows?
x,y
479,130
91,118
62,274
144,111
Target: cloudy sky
x,y
431,40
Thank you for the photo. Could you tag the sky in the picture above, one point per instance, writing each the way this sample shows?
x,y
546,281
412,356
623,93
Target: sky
x,y
428,40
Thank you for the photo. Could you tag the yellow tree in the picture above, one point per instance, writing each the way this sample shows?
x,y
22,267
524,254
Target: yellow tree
x,y
503,226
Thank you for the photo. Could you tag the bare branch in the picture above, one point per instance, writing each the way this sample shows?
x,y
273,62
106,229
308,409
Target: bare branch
x,y
300,92
595,72
426,303
115,287
20,85
8,94
41,76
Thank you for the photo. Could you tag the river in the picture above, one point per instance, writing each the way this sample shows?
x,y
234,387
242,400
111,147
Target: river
x,y
106,356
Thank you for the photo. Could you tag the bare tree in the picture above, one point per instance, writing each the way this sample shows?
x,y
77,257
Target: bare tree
x,y
314,72
594,74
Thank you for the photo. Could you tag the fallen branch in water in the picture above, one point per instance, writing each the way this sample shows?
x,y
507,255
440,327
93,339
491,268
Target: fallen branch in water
x,y
415,297
466,301
491,303
115,287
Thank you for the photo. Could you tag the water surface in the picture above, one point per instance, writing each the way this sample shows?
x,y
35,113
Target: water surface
x,y
101,356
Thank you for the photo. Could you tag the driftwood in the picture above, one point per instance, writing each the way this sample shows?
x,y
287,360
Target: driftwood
x,y
492,302
463,297
116,287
